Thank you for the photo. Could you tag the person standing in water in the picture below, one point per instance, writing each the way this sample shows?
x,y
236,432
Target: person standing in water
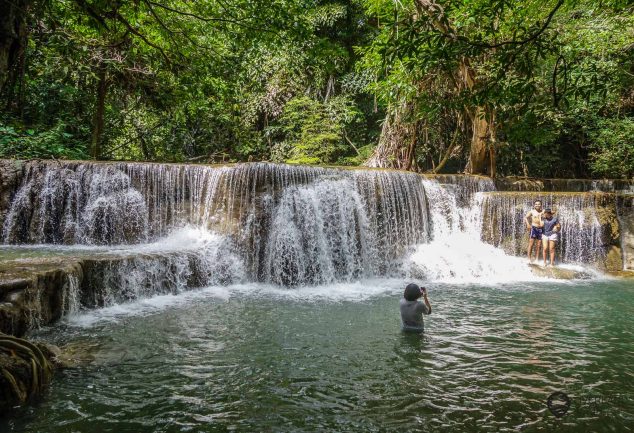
x,y
412,309
534,225
552,227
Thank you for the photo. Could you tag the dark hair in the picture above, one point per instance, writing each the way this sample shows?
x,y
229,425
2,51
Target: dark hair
x,y
536,201
412,292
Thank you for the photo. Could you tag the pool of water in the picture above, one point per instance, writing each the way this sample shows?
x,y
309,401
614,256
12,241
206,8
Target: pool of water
x,y
260,358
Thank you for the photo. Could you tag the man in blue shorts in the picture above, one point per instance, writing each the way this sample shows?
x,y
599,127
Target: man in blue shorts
x,y
534,225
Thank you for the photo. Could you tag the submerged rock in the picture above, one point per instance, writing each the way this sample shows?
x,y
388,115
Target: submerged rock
x,y
559,273
623,274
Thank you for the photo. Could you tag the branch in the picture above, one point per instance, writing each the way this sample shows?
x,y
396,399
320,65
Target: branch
x,y
141,36
556,96
90,11
193,15
169,31
439,20
236,21
449,153
524,41
351,143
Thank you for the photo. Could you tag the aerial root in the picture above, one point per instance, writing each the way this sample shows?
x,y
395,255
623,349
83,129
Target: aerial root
x,y
20,395
41,370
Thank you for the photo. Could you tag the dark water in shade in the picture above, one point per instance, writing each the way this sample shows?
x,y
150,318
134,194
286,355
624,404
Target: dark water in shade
x,y
256,358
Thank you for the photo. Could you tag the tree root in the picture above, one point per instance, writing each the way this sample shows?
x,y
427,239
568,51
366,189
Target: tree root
x,y
20,395
30,366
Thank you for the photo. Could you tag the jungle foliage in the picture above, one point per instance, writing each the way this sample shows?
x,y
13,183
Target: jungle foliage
x,y
499,87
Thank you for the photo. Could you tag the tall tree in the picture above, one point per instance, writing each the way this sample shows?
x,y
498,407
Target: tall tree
x,y
441,47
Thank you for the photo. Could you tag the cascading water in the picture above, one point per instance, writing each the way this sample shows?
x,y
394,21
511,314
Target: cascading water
x,y
189,257
286,225
456,251
343,228
85,204
289,225
586,228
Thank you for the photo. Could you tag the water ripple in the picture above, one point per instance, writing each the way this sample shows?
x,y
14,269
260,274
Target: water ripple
x,y
488,361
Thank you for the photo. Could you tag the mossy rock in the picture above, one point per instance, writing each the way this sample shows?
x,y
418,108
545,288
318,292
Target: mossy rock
x,y
613,261
559,273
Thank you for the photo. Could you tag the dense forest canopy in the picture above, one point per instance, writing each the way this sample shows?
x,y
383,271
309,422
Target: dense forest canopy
x,y
497,87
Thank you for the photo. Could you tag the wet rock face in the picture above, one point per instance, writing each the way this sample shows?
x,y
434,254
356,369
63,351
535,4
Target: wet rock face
x,y
32,295
563,185
10,178
38,291
625,210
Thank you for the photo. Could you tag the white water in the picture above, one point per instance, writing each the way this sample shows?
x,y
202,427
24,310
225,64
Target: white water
x,y
333,235
461,258
357,291
456,252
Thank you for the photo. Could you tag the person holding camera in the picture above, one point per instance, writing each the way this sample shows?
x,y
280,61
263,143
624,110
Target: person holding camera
x,y
412,309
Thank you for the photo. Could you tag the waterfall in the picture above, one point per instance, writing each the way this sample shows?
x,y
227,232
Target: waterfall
x,y
588,222
82,204
71,294
296,225
456,252
289,225
140,275
102,234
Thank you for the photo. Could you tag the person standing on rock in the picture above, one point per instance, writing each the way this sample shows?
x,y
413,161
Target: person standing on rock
x,y
412,309
552,227
534,225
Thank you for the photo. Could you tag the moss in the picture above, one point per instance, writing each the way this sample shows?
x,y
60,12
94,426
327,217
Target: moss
x,y
606,215
613,261
622,274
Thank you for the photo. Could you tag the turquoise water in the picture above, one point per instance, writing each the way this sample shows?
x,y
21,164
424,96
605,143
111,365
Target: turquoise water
x,y
259,358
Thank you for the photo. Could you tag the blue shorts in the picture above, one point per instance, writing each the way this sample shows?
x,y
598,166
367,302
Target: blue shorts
x,y
536,233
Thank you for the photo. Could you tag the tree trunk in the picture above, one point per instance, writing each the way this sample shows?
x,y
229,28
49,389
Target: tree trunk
x,y
478,153
390,152
12,30
479,161
15,81
479,150
397,144
98,119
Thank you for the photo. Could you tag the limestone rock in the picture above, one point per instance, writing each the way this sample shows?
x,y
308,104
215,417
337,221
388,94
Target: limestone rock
x,y
558,273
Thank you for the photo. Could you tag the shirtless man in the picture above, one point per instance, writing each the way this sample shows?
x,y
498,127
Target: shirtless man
x,y
534,226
